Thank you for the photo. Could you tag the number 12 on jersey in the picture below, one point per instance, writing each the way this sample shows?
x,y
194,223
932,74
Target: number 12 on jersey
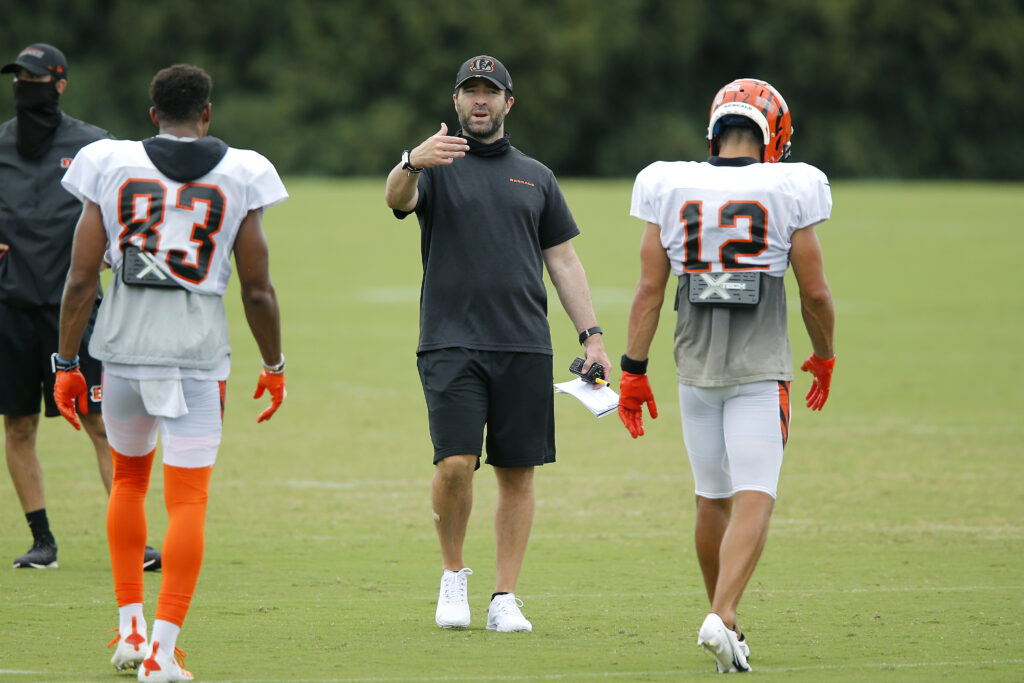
x,y
697,232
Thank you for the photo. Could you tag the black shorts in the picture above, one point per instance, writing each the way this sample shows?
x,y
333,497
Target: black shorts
x,y
28,336
511,393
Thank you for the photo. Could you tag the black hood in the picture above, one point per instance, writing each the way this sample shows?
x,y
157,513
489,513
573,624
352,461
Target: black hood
x,y
185,160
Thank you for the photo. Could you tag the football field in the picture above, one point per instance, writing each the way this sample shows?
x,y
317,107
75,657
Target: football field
x,y
897,545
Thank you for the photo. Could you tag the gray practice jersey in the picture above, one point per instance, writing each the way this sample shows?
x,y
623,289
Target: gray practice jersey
x,y
181,201
727,216
718,346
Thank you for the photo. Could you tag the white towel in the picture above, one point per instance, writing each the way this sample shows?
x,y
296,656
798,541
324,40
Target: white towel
x,y
163,397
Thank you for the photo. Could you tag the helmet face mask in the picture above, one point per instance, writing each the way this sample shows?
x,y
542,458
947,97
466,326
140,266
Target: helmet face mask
x,y
763,106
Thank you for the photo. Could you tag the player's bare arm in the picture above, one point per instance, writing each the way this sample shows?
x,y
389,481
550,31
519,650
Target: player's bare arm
x,y
80,286
259,298
815,296
649,296
570,282
439,149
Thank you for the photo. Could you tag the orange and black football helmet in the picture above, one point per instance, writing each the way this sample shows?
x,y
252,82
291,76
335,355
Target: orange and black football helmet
x,y
762,104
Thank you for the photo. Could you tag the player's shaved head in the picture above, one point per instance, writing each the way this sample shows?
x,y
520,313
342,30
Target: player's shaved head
x,y
180,93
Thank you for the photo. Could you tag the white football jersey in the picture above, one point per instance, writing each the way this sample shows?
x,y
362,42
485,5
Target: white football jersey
x,y
189,228
717,218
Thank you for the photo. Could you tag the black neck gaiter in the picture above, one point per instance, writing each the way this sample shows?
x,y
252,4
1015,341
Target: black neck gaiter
x,y
490,149
38,116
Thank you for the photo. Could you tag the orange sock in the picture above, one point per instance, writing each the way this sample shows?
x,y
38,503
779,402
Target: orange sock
x,y
126,524
185,493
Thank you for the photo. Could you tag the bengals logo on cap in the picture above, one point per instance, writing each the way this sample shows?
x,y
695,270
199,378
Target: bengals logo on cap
x,y
482,65
65,162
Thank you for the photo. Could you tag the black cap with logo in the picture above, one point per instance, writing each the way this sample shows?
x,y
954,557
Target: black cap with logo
x,y
39,59
487,67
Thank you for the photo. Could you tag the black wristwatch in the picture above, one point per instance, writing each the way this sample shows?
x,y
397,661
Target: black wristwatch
x,y
407,166
589,333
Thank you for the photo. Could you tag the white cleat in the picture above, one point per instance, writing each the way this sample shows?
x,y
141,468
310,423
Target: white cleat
x,y
131,648
724,645
453,599
504,616
163,667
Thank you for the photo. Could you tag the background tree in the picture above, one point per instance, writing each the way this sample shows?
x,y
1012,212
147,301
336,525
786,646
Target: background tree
x,y
878,88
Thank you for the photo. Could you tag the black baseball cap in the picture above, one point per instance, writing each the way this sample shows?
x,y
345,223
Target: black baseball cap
x,y
484,66
40,59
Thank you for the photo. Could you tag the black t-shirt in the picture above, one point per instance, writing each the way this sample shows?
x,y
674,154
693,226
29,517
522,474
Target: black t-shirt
x,y
38,216
484,221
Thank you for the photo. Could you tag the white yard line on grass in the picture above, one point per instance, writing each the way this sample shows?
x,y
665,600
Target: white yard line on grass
x,y
879,667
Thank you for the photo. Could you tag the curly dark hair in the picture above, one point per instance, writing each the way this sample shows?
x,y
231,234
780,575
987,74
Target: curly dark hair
x,y
180,92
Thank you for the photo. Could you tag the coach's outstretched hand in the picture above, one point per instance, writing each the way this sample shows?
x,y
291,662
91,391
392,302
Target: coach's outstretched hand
x,y
439,149
822,371
274,383
634,391
69,386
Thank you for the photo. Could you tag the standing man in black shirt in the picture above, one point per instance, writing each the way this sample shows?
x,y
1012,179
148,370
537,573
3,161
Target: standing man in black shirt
x,y
37,224
491,218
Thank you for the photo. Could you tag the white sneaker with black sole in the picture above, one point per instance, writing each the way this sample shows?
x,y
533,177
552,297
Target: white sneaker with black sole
x,y
453,599
723,644
504,615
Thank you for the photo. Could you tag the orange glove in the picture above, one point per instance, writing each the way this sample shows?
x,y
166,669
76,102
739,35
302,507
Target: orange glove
x,y
274,383
634,391
69,385
822,371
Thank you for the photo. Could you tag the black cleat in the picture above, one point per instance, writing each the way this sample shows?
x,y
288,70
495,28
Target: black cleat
x,y
151,560
42,555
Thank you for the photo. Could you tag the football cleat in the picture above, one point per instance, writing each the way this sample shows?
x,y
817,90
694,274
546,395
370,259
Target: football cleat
x,y
161,667
722,643
504,615
131,648
42,555
453,599
763,106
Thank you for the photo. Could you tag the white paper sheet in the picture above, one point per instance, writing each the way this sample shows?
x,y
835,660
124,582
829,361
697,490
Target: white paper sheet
x,y
600,401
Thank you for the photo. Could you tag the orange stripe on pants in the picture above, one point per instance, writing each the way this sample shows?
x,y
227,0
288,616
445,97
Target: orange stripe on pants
x,y
126,524
185,493
784,411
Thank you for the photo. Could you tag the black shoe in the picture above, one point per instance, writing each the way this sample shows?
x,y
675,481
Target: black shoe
x,y
151,560
42,555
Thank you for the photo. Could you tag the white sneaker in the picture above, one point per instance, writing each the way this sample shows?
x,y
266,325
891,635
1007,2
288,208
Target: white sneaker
x,y
453,600
723,644
131,648
503,614
163,667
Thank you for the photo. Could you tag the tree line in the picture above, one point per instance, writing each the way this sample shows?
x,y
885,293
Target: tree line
x,y
877,88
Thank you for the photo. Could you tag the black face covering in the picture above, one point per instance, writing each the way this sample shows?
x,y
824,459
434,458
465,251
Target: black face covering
x,y
490,149
38,116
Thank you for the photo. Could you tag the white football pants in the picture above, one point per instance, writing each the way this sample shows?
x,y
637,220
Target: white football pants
x,y
190,440
734,436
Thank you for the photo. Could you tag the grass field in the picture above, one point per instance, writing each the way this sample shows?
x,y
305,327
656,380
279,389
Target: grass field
x,y
897,546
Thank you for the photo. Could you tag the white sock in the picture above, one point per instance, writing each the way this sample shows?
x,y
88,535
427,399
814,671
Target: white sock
x,y
165,633
125,615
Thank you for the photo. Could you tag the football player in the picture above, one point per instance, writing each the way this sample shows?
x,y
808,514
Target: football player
x,y
728,228
168,211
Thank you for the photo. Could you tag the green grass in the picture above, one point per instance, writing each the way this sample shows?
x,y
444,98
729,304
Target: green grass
x,y
896,547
